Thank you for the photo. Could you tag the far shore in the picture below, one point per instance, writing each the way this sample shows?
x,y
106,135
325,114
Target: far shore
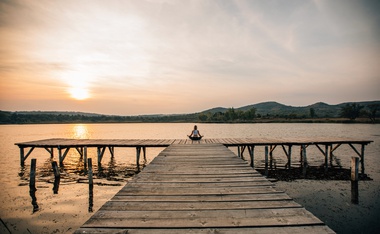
x,y
257,120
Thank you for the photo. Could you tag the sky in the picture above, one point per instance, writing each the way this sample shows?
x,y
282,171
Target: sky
x,y
171,57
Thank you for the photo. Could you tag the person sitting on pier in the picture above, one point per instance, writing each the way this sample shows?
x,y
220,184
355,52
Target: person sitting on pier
x,y
195,134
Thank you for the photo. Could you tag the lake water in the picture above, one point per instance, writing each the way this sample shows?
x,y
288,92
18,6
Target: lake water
x,y
125,158
14,178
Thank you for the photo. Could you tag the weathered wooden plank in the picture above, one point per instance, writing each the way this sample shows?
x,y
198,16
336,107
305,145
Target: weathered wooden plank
x,y
202,184
198,179
202,219
224,197
194,191
316,229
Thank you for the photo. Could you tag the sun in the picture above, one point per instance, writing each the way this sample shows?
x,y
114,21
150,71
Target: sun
x,y
79,93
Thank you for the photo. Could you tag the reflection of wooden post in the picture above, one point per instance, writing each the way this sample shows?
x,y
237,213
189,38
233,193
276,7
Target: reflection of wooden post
x,y
266,160
32,184
57,177
90,187
355,180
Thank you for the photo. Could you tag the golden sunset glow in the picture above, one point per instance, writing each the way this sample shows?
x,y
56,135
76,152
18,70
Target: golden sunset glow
x,y
162,56
79,93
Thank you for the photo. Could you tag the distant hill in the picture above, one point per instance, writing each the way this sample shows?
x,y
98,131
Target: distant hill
x,y
272,108
263,111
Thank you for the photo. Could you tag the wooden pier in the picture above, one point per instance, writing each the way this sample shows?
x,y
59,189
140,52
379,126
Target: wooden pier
x,y
326,146
201,188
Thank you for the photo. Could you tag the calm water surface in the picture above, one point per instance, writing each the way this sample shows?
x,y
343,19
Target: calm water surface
x,y
124,161
15,200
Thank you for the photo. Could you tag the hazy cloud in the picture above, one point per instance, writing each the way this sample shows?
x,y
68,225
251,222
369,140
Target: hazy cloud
x,y
154,56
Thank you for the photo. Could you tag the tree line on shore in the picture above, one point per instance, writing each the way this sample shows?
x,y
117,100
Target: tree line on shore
x,y
350,112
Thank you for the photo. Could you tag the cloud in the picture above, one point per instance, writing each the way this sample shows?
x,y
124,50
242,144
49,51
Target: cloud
x,y
213,52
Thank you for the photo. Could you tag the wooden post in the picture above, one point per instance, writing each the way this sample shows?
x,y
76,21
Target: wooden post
x,y
85,158
32,184
90,186
290,157
239,154
326,158
100,155
138,151
22,153
251,150
266,160
57,177
362,159
331,155
304,161
112,151
271,157
144,154
355,180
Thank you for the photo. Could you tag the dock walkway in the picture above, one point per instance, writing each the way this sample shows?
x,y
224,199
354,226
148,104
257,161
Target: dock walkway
x,y
201,188
325,145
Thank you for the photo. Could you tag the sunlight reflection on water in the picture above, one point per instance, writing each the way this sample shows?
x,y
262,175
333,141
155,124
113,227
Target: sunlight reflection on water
x,y
80,131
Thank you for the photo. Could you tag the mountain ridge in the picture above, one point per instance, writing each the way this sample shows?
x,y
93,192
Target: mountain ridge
x,y
321,109
270,109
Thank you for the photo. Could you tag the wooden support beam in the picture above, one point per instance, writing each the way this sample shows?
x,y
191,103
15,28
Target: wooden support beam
x,y
355,180
242,151
90,186
362,158
325,153
100,155
32,184
62,156
334,148
138,151
360,154
85,158
272,147
144,153
112,150
24,156
80,151
50,150
288,154
22,160
326,157
266,160
57,177
304,160
251,150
